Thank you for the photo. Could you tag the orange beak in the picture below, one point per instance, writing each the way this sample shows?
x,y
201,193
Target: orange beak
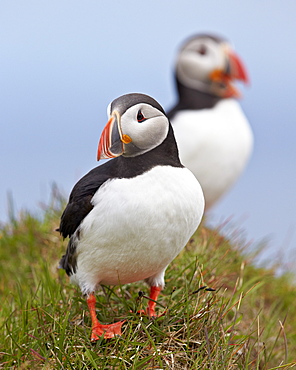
x,y
235,70
112,139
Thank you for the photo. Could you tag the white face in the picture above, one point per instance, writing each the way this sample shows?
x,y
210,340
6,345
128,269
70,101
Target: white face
x,y
146,126
198,59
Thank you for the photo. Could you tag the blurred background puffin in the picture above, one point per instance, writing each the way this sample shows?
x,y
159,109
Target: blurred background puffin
x,y
213,135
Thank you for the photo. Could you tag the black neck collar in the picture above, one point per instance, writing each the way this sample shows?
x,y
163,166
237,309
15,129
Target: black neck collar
x,y
192,99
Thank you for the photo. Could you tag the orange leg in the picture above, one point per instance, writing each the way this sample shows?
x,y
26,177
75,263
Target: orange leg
x,y
154,293
98,329
150,311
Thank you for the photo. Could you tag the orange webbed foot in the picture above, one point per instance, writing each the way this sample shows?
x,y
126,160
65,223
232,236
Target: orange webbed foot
x,y
149,313
109,331
98,329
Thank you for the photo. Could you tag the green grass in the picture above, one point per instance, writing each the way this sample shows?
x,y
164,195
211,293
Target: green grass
x,y
248,322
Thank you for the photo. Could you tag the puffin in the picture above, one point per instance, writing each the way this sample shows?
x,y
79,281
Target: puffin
x,y
128,218
214,137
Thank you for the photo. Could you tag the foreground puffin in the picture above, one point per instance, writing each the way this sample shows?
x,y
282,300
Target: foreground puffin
x,y
213,135
130,217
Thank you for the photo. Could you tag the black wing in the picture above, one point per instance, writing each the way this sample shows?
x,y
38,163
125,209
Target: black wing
x,y
121,167
79,204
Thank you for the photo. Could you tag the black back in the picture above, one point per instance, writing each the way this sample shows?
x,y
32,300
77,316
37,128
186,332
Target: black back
x,y
192,99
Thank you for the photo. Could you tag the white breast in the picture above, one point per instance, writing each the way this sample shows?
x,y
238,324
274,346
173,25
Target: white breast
x,y
137,226
215,144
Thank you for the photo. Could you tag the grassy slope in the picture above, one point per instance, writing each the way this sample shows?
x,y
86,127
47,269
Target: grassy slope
x,y
248,322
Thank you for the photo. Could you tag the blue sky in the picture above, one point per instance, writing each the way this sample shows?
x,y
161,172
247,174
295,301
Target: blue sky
x,y
62,62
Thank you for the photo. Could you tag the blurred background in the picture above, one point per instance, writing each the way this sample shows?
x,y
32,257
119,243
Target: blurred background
x,y
62,62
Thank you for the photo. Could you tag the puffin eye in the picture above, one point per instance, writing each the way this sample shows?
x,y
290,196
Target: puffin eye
x,y
202,50
140,117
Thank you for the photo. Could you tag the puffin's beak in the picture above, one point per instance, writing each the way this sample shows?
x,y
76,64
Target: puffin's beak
x,y
112,139
237,69
234,70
